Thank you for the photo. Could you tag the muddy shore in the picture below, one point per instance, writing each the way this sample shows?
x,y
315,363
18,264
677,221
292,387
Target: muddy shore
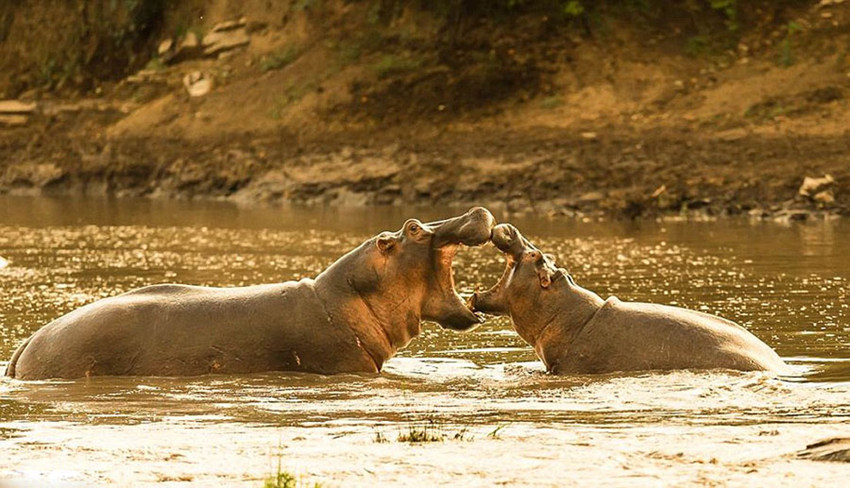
x,y
619,118
610,172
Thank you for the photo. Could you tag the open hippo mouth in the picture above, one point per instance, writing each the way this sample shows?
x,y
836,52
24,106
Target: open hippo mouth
x,y
446,306
507,239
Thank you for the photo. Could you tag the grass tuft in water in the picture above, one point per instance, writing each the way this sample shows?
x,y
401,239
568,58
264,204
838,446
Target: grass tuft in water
x,y
422,433
462,435
380,438
285,479
282,479
495,433
429,431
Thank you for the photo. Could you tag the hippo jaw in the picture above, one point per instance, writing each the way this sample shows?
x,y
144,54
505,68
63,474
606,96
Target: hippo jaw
x,y
446,307
490,301
517,249
443,304
507,239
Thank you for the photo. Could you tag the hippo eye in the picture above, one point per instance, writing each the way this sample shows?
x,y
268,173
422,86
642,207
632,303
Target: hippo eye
x,y
413,229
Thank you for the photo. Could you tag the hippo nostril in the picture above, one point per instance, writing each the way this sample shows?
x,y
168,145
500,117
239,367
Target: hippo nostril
x,y
500,233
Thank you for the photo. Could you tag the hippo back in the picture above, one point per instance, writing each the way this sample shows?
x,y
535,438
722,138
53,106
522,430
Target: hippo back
x,y
177,330
625,336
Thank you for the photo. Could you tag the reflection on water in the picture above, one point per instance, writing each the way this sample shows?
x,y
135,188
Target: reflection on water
x,y
787,284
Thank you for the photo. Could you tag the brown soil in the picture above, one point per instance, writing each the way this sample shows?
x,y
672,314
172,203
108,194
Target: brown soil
x,y
324,107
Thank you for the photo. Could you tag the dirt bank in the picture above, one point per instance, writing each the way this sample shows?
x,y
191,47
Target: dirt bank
x,y
621,112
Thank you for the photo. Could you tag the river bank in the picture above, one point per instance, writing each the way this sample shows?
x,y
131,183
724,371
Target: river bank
x,y
611,172
634,113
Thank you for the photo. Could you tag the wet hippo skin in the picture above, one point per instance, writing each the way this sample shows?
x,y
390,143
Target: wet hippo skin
x,y
351,318
574,331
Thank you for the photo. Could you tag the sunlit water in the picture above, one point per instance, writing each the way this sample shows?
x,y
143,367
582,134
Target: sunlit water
x,y
503,420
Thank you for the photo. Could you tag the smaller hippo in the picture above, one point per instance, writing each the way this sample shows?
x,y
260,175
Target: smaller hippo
x,y
574,331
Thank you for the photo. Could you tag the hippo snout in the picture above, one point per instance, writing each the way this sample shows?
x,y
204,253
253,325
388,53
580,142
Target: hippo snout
x,y
507,239
473,228
503,236
489,301
479,228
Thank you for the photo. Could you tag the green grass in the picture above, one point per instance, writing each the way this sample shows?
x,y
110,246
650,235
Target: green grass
x,y
551,102
291,94
786,47
391,65
462,435
155,64
768,110
697,46
285,479
380,438
495,433
279,59
281,479
428,432
347,52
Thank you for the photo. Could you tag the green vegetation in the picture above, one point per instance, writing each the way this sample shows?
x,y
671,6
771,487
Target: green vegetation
x,y
155,64
279,59
459,11
729,8
291,94
495,433
281,480
572,8
350,50
346,52
710,27
285,479
767,110
112,31
428,432
109,39
305,4
786,54
552,102
461,435
105,40
697,46
391,65
456,12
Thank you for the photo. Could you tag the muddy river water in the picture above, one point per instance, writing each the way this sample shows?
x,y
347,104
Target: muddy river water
x,y
501,419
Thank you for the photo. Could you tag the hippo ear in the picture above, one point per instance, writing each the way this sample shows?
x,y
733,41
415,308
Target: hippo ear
x,y
545,277
385,244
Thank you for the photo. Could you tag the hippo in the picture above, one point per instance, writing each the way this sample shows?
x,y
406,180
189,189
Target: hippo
x,y
574,331
351,318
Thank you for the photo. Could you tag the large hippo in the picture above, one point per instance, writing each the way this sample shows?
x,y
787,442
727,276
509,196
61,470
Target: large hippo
x,y
351,318
574,331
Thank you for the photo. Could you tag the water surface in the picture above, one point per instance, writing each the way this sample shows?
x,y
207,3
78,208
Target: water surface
x,y
503,419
